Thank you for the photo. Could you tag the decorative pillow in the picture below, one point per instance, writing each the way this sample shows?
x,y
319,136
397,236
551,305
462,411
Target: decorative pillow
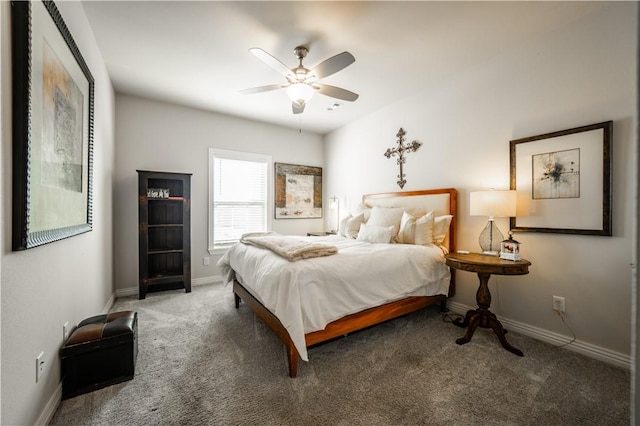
x,y
353,226
342,227
386,216
440,228
406,234
375,234
424,230
416,230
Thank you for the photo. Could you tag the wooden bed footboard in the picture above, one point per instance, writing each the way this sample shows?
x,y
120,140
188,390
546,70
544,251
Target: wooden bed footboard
x,y
341,327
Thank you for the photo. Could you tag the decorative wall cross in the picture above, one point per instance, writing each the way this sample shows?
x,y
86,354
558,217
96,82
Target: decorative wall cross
x,y
399,151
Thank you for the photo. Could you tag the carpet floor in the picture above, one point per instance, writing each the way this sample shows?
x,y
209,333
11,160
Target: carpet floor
x,y
203,362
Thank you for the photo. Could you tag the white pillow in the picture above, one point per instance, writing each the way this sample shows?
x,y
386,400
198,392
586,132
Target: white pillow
x,y
386,216
440,228
353,226
424,230
406,234
416,230
342,227
416,211
361,208
375,234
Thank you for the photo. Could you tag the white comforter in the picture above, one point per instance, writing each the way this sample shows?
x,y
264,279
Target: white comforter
x,y
308,294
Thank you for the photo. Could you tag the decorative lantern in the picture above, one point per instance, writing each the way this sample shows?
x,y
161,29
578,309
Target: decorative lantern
x,y
510,248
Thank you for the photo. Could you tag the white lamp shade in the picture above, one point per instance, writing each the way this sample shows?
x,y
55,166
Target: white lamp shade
x,y
334,202
492,203
300,92
334,205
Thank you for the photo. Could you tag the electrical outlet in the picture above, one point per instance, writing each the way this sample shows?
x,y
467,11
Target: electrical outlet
x,y
205,261
558,303
39,366
65,332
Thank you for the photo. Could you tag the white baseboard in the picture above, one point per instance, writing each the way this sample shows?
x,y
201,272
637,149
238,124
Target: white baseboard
x,y
124,292
51,407
133,291
109,304
584,348
207,280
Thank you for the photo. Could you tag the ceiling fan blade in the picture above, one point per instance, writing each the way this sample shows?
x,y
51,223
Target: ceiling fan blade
x,y
333,65
297,107
271,61
261,89
336,92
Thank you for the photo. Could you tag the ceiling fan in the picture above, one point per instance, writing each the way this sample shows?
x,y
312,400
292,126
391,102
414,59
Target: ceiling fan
x,y
301,81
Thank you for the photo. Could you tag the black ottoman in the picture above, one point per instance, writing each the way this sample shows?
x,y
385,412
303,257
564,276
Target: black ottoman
x,y
102,351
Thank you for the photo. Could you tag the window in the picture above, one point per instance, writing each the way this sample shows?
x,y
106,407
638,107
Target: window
x,y
239,195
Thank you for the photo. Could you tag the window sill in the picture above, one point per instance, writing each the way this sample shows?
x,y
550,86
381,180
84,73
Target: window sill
x,y
220,250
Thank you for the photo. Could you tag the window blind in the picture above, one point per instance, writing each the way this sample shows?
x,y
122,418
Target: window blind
x,y
239,196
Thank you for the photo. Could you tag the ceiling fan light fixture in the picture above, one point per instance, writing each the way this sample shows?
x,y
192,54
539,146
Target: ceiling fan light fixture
x,y
300,92
301,73
301,81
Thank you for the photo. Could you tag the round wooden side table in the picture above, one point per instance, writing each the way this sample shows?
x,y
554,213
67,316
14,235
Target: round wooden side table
x,y
485,266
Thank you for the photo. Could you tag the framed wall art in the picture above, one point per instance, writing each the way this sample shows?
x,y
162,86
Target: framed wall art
x,y
298,191
53,101
563,181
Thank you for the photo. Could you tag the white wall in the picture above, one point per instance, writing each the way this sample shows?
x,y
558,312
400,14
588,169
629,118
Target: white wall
x,y
582,74
67,280
158,136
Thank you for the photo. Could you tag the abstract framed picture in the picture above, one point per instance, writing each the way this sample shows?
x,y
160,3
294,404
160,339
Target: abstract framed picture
x,y
563,181
53,104
298,191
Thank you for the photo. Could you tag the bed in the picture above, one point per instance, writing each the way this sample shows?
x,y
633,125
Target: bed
x,y
363,283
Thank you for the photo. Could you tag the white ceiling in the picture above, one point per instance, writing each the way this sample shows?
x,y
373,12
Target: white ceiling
x,y
196,53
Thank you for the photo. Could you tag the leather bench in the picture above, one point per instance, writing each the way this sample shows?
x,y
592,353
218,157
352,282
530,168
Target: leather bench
x,y
100,352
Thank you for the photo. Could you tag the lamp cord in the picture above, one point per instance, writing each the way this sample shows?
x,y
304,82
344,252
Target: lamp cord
x,y
569,328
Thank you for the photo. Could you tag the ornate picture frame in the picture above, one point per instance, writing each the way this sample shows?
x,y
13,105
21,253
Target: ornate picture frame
x,y
53,113
563,181
298,191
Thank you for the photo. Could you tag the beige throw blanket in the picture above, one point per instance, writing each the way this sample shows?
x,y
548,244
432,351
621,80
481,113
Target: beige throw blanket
x,y
290,248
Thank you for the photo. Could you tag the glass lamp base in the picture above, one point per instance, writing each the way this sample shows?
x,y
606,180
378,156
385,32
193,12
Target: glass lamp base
x,y
490,239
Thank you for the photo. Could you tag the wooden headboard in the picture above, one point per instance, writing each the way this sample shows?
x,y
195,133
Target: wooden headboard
x,y
441,201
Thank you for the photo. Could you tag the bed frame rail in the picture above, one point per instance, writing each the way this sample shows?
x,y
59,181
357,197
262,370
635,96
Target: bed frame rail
x,y
271,321
343,326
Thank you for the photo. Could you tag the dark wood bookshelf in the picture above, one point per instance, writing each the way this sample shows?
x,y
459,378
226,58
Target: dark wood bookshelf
x,y
164,231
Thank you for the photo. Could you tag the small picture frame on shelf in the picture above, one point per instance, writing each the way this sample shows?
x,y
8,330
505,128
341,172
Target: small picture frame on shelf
x,y
158,193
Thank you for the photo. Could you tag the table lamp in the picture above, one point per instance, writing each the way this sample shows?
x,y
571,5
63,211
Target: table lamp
x,y
493,204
